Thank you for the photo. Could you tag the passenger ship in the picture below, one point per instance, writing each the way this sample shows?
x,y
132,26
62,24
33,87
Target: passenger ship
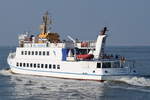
x,y
46,55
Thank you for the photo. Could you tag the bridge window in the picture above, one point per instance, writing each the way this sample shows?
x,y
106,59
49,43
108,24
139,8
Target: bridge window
x,y
98,65
106,65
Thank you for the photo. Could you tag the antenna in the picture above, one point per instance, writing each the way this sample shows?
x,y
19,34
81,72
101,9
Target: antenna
x,y
71,39
103,31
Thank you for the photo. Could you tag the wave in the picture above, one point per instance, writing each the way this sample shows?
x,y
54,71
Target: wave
x,y
138,81
5,72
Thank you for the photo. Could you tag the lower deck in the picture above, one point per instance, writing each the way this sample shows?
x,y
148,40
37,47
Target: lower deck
x,y
68,75
90,70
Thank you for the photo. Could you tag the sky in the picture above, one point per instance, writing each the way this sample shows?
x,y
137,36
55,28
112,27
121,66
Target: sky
x,y
128,21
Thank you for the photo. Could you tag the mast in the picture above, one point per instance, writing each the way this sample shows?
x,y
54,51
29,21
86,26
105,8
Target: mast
x,y
45,23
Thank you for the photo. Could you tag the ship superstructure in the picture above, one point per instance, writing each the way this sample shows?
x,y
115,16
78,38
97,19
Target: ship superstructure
x,y
46,54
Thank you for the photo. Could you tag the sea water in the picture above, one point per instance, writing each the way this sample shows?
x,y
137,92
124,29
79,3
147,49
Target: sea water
x,y
26,87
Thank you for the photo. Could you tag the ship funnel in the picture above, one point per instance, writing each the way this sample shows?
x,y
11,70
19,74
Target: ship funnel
x,y
100,44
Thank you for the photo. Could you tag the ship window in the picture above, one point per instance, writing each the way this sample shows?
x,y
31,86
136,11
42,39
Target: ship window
x,y
28,52
98,65
32,52
36,53
27,64
34,65
38,65
50,66
54,66
25,52
17,64
106,65
30,64
45,65
22,52
43,52
58,66
115,64
20,64
24,64
39,52
48,53
42,65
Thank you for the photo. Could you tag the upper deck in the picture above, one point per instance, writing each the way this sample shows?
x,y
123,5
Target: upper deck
x,y
67,44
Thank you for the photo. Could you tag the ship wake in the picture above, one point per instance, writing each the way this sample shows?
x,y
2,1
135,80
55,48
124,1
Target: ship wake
x,y
138,81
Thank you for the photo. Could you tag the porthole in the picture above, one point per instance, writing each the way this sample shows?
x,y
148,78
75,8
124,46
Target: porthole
x,y
106,71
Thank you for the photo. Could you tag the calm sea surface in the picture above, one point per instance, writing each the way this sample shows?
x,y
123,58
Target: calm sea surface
x,y
24,87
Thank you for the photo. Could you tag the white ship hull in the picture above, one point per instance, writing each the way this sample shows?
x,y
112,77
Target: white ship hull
x,y
80,70
67,75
